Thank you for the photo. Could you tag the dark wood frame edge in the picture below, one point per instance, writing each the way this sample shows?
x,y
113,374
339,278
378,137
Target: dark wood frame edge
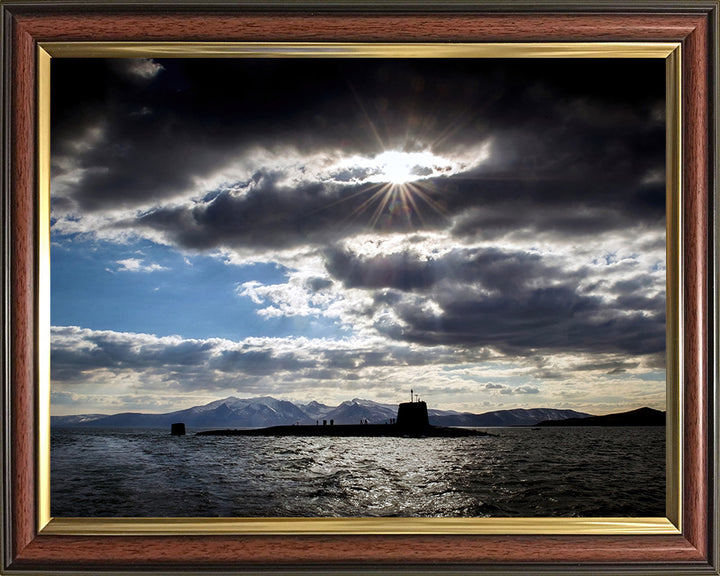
x,y
693,23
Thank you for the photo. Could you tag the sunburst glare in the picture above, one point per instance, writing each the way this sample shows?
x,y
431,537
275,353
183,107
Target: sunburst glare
x,y
398,167
398,182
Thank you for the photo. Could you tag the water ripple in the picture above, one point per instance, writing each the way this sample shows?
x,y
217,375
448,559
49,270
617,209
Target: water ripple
x,y
553,472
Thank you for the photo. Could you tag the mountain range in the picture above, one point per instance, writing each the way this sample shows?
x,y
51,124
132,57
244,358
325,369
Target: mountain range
x,y
267,411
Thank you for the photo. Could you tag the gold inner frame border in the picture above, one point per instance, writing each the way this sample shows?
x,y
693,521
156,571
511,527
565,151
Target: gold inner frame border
x,y
671,524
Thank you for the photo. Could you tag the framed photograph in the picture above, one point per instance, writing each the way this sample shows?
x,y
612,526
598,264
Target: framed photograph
x,y
312,287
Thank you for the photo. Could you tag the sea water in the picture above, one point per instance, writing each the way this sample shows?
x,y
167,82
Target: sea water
x,y
519,472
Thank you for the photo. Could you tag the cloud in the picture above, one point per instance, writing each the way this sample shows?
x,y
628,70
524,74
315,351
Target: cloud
x,y
512,301
64,398
142,69
294,298
526,390
77,352
264,215
137,265
491,386
402,271
509,390
80,354
554,318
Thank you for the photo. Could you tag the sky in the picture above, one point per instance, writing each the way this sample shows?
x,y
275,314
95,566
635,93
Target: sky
x,y
489,233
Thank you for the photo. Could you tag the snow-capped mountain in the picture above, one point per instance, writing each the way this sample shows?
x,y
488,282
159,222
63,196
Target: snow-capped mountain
x,y
357,411
315,409
264,411
229,412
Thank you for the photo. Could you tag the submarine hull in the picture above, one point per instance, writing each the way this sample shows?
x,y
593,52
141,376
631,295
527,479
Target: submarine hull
x,y
348,430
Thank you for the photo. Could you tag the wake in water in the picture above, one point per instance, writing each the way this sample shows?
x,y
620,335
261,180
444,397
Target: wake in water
x,y
521,473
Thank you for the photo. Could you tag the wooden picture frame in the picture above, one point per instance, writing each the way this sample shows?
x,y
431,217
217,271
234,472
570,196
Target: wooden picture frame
x,y
28,548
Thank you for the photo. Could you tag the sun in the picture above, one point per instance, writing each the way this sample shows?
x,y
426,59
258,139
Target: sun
x,y
398,185
394,167
399,167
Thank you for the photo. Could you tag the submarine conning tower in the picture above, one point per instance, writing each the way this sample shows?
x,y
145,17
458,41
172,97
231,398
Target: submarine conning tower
x,y
412,415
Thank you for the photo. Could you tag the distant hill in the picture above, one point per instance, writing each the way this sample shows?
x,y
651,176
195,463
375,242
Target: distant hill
x,y
514,417
267,411
640,417
75,420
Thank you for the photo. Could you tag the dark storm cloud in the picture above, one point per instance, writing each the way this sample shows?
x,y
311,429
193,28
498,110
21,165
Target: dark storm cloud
x,y
492,298
268,215
553,318
569,207
264,216
490,268
558,132
635,285
200,114
402,271
77,353
118,351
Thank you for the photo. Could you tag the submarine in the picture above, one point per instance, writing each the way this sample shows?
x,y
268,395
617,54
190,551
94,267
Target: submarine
x,y
411,422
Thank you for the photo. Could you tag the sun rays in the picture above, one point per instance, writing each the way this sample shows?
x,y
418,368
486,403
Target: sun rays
x,y
393,201
403,177
398,184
